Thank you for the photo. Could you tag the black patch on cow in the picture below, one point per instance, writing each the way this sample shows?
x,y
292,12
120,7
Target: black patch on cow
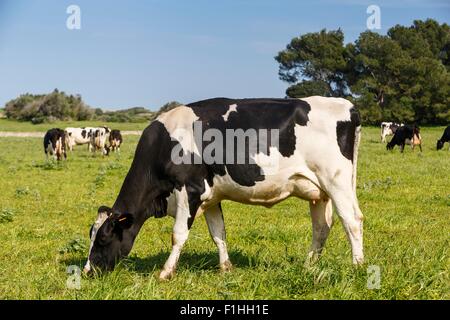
x,y
83,133
51,137
251,114
115,135
394,127
159,206
400,136
153,176
445,138
345,133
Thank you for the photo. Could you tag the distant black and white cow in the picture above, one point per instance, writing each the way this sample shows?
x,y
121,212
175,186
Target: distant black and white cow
x,y
190,159
408,134
99,137
55,144
389,129
115,140
79,136
445,138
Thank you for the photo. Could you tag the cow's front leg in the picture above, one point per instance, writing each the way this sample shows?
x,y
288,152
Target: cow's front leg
x,y
187,205
179,237
216,227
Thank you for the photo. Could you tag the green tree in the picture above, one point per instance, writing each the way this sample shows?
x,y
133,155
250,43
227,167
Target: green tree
x,y
402,76
314,63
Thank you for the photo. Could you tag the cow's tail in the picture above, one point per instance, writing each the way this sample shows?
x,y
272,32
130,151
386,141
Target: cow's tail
x,y
355,156
357,124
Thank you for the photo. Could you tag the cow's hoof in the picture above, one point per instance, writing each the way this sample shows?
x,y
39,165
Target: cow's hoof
x,y
226,266
311,259
358,261
166,275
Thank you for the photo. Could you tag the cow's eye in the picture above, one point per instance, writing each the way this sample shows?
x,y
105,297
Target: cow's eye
x,y
103,239
104,236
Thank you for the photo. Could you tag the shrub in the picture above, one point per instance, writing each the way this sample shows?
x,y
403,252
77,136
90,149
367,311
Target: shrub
x,y
6,215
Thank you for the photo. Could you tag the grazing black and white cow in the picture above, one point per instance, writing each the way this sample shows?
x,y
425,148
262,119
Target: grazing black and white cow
x,y
79,136
389,129
99,137
445,138
115,140
408,134
253,151
55,144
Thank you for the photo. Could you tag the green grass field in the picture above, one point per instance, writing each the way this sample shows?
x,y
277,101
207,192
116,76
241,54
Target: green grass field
x,y
46,211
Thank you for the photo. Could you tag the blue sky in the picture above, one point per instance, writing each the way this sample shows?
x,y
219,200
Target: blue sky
x,y
145,53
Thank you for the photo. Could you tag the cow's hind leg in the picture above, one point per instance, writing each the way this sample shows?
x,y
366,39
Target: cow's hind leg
x,y
216,226
321,216
348,211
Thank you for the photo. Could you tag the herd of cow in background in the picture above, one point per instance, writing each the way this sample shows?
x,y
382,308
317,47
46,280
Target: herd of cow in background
x,y
57,141
408,134
103,139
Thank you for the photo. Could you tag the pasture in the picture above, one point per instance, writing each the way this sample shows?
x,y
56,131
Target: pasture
x,y
46,210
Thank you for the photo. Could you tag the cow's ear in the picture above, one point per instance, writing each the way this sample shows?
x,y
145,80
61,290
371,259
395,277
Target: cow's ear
x,y
124,221
104,209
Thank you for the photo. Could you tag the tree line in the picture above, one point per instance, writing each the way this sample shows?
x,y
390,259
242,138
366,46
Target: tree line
x,y
58,105
401,76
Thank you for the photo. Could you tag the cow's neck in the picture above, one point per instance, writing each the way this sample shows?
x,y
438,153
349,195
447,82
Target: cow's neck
x,y
136,195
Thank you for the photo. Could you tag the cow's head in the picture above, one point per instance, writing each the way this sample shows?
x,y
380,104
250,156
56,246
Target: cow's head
x,y
110,239
439,144
390,146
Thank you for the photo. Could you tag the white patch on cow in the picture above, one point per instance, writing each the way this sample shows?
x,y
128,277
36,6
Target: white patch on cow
x,y
179,124
206,195
269,163
99,137
232,108
58,148
101,218
325,110
75,137
386,130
